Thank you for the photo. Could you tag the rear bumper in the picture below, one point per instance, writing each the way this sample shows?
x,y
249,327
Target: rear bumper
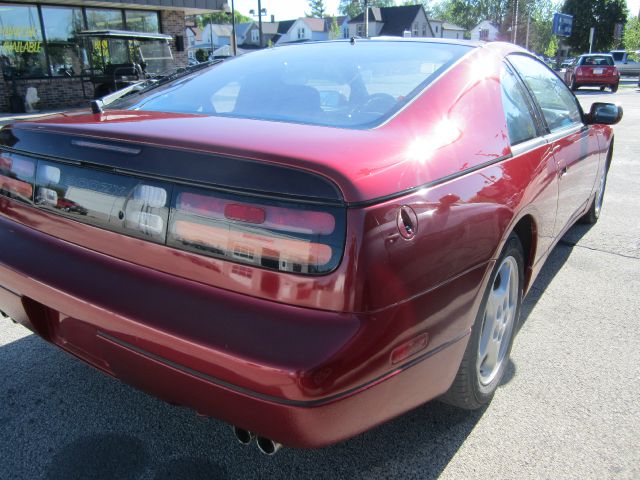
x,y
598,81
303,377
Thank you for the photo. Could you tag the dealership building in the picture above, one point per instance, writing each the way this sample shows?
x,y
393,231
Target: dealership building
x,y
55,54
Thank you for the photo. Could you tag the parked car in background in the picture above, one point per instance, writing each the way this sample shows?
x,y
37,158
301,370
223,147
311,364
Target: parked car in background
x,y
626,62
593,70
306,241
567,62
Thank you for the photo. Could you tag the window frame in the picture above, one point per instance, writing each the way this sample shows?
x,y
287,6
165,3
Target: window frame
x,y
538,108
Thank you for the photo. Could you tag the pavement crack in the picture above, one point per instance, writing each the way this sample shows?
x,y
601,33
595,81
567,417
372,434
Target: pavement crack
x,y
571,244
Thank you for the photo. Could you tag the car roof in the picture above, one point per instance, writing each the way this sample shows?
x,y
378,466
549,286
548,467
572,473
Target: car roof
x,y
388,39
596,55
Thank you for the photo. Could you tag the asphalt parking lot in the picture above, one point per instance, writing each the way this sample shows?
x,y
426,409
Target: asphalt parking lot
x,y
569,406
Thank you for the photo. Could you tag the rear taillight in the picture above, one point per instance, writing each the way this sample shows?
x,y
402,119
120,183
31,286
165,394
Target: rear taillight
x,y
120,203
16,176
580,71
280,235
277,235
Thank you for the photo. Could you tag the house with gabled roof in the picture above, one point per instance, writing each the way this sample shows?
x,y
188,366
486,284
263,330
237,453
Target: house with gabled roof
x,y
409,20
486,31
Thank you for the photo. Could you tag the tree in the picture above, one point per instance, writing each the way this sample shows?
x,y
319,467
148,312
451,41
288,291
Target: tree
x,y
220,18
632,34
318,9
201,55
426,4
601,14
334,30
468,13
353,8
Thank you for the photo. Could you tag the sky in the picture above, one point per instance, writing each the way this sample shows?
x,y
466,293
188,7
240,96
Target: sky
x,y
290,9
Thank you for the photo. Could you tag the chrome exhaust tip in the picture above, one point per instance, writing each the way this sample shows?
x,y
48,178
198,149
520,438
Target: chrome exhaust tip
x,y
243,436
268,446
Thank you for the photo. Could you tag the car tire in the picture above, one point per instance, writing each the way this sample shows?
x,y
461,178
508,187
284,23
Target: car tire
x,y
574,85
478,376
595,208
614,88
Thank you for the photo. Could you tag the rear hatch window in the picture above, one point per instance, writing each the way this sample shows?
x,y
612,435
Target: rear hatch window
x,y
337,83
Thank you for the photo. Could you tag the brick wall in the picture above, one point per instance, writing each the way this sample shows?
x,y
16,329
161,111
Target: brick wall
x,y
54,93
173,23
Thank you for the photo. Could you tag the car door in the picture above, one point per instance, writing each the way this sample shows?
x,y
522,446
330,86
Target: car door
x,y
575,146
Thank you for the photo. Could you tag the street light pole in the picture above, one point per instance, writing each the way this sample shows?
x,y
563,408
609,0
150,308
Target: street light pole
x,y
211,31
515,27
526,42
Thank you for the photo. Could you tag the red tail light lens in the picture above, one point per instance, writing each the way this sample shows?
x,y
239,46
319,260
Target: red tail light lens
x,y
271,234
17,176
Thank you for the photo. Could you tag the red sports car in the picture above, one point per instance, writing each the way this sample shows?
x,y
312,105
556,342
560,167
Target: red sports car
x,y
593,70
303,241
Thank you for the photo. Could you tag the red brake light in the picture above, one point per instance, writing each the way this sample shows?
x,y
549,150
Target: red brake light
x,y
275,217
244,213
276,235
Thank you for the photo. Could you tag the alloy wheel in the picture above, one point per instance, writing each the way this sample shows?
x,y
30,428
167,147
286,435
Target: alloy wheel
x,y
497,326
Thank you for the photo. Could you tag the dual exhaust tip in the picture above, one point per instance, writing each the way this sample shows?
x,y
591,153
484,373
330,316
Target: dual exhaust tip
x,y
265,445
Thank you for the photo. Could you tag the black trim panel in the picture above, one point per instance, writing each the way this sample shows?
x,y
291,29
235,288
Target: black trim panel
x,y
271,398
217,171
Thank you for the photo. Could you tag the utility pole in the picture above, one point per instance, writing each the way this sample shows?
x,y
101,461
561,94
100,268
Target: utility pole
x,y
260,22
366,18
234,40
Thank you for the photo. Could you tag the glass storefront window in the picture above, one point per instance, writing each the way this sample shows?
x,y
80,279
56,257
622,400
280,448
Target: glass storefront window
x,y
26,51
61,26
104,19
21,45
142,21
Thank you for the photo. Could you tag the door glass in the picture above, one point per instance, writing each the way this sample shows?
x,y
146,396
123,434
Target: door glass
x,y
559,106
520,121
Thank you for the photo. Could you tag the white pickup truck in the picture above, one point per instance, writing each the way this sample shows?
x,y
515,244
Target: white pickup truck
x,y
626,62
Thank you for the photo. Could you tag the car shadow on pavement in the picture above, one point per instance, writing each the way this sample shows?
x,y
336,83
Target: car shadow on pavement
x,y
557,258
593,91
83,424
61,419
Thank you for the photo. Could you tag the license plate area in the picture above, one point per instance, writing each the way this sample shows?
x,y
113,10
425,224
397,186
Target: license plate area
x,y
598,71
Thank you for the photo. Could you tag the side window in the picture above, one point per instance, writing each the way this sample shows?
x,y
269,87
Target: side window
x,y
520,122
559,107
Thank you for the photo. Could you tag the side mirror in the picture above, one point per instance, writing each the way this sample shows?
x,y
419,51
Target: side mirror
x,y
604,113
